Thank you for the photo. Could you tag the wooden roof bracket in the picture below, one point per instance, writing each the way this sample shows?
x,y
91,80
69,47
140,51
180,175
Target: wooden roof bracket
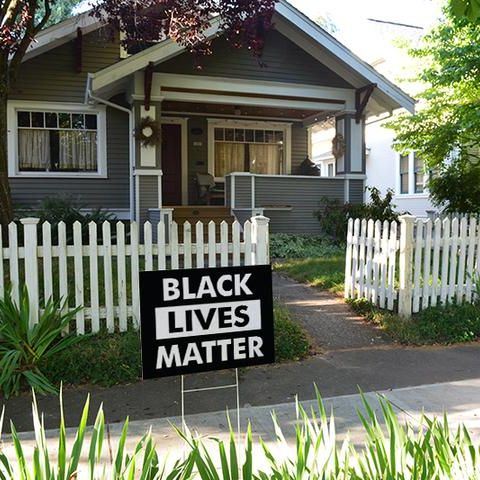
x,y
79,51
362,96
148,85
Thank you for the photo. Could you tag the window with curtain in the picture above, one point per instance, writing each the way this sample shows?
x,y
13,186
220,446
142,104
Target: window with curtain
x,y
404,173
419,168
248,150
57,141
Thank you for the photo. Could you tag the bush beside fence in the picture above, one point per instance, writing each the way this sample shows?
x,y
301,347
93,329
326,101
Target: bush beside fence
x,y
103,276
414,263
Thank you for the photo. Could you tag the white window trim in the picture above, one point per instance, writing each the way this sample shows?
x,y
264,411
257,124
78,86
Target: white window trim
x,y
12,124
411,180
213,123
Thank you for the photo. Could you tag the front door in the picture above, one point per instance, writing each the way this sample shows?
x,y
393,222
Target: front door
x,y
171,164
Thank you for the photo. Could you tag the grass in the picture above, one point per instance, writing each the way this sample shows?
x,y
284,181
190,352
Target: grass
x,y
110,359
327,273
441,325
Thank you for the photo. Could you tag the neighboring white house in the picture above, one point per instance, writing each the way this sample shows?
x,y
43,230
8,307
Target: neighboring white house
x,y
385,168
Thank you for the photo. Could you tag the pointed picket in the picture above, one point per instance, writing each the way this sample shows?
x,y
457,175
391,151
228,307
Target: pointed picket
x,y
224,244
47,261
62,264
135,271
472,238
392,262
355,289
161,246
108,276
212,245
199,245
417,266
384,264
187,245
147,239
452,282
427,264
94,277
437,242
462,256
348,259
362,260
376,261
14,261
121,277
369,260
445,260
78,268
236,243
247,243
173,241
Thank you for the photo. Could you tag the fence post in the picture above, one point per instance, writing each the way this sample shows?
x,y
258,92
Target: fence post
x,y
31,265
407,224
261,239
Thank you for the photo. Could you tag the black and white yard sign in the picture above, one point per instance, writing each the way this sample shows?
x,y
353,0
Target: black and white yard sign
x,y
205,319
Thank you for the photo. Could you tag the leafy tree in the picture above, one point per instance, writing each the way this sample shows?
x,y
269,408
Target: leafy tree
x,y
244,22
21,20
445,131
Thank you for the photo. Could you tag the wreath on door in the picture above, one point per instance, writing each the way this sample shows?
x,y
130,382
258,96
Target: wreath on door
x,y
148,132
338,146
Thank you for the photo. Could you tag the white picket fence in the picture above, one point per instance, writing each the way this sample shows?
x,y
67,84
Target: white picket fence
x,y
101,274
413,264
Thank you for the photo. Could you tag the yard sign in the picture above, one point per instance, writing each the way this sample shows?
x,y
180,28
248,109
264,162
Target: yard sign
x,y
198,320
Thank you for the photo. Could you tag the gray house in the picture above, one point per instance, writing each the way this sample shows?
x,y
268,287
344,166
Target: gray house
x,y
80,98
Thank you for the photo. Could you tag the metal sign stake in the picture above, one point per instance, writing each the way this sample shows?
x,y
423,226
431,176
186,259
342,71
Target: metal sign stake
x,y
235,385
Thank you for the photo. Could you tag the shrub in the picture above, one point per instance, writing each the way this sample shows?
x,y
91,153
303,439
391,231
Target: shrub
x,y
24,347
291,343
392,449
334,217
67,209
443,324
285,245
108,359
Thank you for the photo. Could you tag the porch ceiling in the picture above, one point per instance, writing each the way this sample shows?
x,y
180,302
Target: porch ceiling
x,y
239,111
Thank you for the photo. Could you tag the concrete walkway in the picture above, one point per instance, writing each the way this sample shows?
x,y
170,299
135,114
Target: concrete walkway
x,y
460,399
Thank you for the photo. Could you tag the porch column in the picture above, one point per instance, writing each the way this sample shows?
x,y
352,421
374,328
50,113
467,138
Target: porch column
x,y
148,172
351,164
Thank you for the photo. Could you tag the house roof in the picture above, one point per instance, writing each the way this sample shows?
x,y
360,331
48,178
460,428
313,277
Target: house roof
x,y
288,20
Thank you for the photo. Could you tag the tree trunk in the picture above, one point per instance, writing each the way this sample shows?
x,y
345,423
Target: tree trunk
x,y
6,207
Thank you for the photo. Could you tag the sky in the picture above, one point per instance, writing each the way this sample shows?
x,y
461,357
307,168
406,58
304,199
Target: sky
x,y
367,39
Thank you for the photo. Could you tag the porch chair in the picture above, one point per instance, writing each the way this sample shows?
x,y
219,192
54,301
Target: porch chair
x,y
208,189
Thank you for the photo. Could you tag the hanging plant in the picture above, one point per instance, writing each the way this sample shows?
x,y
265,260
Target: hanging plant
x,y
338,146
148,132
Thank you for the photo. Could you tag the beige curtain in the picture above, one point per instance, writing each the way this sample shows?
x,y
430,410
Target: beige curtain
x,y
229,157
33,149
265,159
78,150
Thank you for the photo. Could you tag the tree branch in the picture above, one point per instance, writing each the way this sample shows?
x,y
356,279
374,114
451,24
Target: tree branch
x,y
31,30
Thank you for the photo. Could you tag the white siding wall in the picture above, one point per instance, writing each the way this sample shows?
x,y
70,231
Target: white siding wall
x,y
382,170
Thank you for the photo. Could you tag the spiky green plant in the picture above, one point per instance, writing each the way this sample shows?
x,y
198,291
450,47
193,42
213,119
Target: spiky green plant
x,y
393,450
23,346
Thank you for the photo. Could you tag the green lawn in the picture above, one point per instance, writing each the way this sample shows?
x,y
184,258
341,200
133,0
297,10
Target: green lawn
x,y
327,273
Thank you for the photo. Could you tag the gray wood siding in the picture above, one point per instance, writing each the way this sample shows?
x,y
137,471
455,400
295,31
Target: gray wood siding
x,y
304,195
53,77
243,192
299,146
149,195
357,191
112,192
282,61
